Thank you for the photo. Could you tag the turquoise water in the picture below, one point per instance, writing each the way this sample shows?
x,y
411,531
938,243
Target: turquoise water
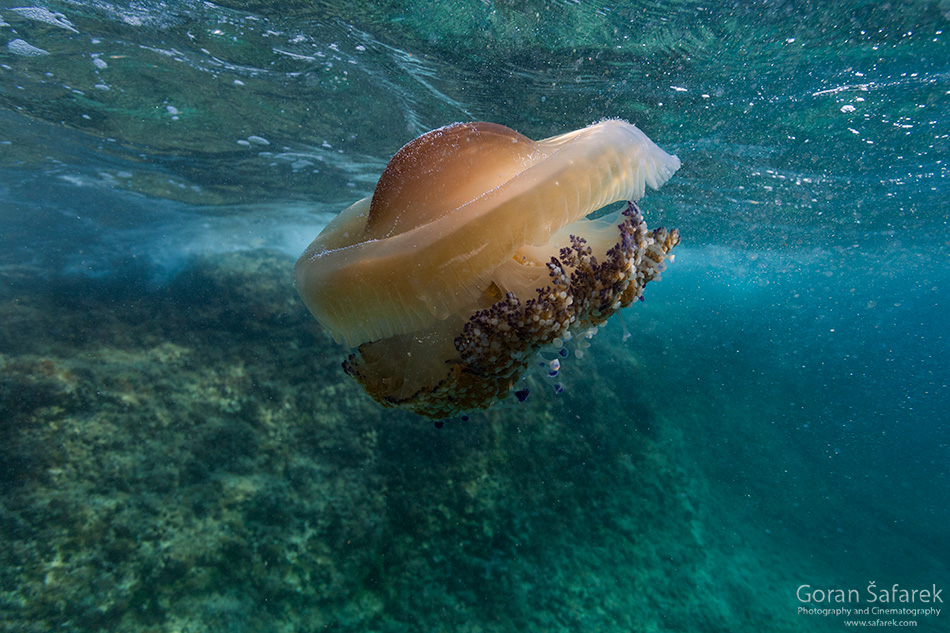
x,y
180,450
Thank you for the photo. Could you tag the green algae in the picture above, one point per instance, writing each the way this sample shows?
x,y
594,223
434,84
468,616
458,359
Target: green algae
x,y
192,458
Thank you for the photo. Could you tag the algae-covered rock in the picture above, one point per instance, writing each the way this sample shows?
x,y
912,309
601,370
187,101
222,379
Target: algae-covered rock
x,y
191,458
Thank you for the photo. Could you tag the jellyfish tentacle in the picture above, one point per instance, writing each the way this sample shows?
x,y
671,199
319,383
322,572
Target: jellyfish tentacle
x,y
497,343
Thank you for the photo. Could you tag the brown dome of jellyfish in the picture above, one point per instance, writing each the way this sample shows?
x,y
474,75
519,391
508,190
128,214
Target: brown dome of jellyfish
x,y
474,252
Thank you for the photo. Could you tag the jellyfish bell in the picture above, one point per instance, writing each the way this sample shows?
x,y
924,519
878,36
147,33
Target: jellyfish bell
x,y
475,250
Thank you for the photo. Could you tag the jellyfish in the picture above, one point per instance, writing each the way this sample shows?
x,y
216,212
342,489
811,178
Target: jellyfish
x,y
475,251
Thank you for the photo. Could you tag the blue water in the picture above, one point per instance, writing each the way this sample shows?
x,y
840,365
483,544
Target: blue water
x,y
782,403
